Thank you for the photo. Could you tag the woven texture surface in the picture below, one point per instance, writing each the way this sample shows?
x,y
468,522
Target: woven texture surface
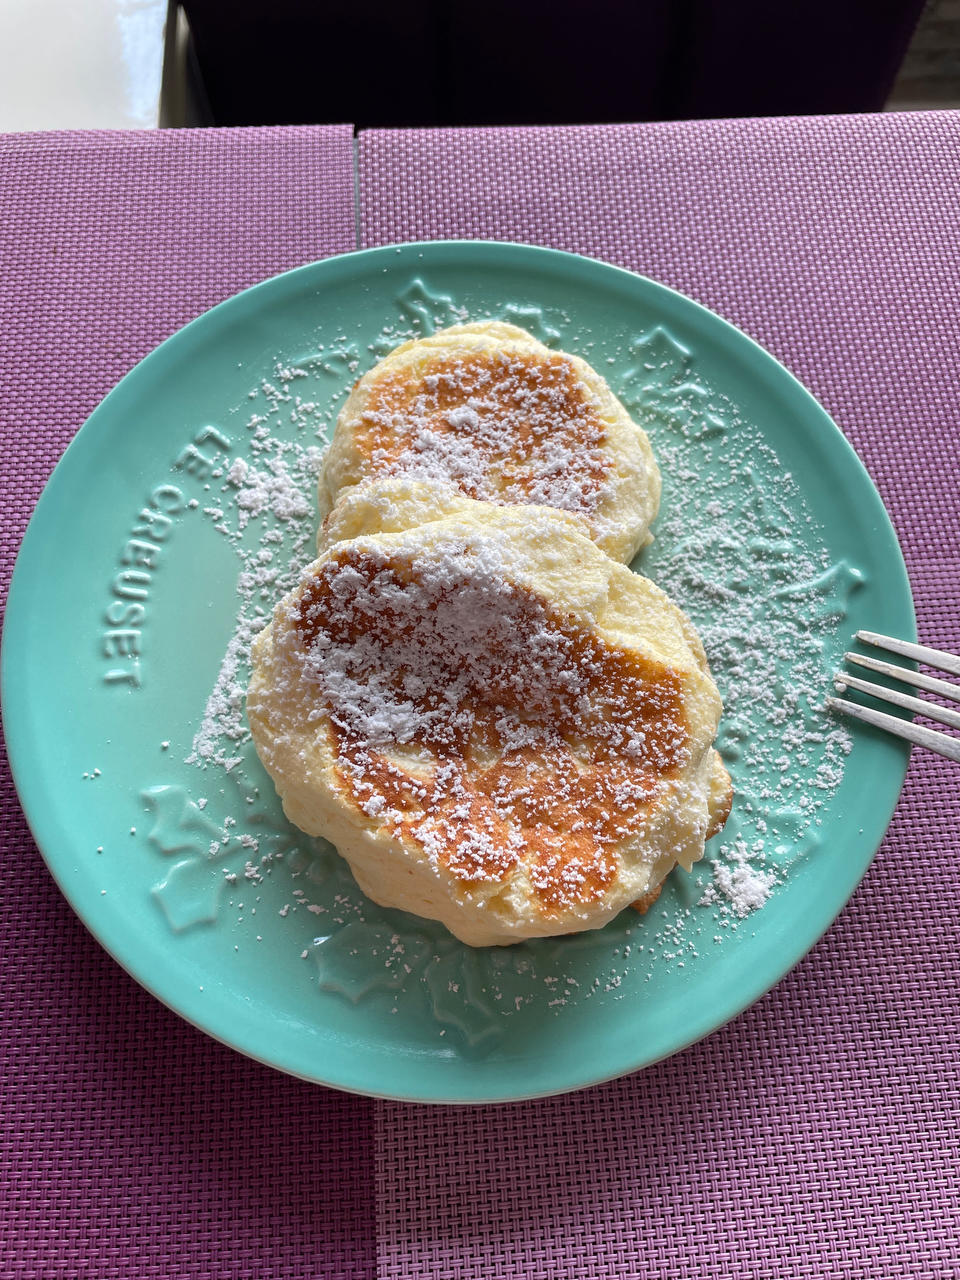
x,y
817,1135
131,1144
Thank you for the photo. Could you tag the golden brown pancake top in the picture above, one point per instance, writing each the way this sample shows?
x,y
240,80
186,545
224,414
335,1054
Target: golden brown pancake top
x,y
481,723
517,427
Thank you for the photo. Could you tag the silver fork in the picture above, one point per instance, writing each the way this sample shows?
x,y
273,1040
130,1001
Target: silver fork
x,y
942,743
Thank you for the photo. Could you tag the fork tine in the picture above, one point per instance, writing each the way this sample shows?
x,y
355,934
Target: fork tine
x,y
942,743
948,662
916,678
943,715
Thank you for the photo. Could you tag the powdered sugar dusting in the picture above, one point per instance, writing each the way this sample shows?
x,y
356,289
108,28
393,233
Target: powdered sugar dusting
x,y
537,746
505,427
272,490
739,883
734,545
767,606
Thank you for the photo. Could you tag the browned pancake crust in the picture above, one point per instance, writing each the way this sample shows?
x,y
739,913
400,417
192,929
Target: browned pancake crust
x,y
560,808
534,434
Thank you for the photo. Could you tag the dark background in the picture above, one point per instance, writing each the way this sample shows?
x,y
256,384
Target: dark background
x,y
534,62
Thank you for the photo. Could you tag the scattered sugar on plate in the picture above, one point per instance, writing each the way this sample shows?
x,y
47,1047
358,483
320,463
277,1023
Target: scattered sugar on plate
x,y
735,547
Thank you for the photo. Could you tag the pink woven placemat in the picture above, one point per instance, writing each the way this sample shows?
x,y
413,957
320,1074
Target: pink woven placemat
x,y
819,1134
131,1144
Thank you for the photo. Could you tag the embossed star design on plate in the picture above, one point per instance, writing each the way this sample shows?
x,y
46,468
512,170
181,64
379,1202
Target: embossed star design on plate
x,y
152,811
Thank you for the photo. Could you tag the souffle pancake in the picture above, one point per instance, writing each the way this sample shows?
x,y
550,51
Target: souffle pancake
x,y
506,419
496,724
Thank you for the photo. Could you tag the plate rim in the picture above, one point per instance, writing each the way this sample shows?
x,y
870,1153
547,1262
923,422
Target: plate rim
x,y
342,264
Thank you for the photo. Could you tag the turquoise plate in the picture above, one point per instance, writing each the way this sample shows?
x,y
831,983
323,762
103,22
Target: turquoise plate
x,y
177,517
